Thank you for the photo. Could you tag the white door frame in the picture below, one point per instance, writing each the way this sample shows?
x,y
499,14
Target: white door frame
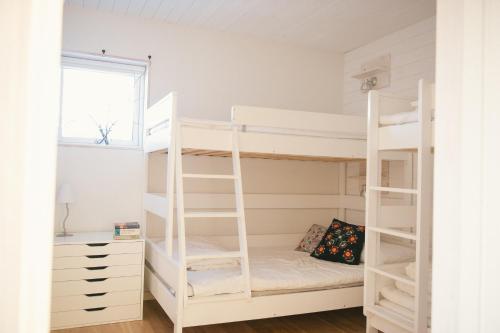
x,y
30,53
466,259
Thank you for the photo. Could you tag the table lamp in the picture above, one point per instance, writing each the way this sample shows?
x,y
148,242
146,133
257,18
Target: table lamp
x,y
65,196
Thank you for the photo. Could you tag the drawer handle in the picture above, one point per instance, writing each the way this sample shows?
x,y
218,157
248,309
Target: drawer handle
x,y
96,280
95,294
96,268
95,256
97,244
96,309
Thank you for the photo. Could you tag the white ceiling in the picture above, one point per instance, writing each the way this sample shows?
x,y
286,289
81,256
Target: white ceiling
x,y
339,25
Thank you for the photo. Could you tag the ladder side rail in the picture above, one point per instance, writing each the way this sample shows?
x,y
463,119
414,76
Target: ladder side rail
x,y
181,293
372,198
424,205
240,208
144,222
342,178
170,179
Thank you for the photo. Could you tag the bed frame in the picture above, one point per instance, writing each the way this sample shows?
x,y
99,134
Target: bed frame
x,y
258,133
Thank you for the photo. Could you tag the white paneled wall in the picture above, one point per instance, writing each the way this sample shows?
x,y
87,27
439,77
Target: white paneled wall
x,y
412,53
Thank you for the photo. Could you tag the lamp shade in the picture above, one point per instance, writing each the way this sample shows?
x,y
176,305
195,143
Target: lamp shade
x,y
65,194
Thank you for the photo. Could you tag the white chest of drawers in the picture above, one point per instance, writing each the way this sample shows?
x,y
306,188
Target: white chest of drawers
x,y
96,280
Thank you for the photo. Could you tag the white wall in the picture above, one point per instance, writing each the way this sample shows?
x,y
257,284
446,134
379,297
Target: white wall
x,y
107,185
466,267
412,53
211,72
29,102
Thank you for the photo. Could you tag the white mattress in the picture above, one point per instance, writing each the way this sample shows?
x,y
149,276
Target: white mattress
x,y
275,269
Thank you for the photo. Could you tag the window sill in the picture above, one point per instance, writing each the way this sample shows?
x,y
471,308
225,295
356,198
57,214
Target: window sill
x,y
89,145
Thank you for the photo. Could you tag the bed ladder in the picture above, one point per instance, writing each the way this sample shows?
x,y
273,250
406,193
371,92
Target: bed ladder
x,y
238,214
393,321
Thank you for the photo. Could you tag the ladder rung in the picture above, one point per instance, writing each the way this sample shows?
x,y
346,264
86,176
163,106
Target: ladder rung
x,y
207,176
210,214
391,273
392,232
391,316
393,189
216,255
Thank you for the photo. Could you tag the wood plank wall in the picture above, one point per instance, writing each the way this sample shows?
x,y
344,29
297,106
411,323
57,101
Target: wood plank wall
x,y
412,53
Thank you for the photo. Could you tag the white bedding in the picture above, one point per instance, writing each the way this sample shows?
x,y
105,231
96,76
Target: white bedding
x,y
196,245
273,269
399,297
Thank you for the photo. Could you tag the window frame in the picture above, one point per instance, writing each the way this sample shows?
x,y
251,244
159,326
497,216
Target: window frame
x,y
107,63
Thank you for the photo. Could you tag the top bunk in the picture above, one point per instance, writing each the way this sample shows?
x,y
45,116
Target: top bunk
x,y
398,120
262,133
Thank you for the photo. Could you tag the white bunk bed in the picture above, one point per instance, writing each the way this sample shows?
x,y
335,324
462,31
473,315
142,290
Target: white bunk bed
x,y
397,297
252,132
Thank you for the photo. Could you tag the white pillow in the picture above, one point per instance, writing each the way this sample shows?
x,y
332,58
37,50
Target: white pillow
x,y
393,253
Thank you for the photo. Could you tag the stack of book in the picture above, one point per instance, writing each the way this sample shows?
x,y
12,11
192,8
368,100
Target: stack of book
x,y
130,230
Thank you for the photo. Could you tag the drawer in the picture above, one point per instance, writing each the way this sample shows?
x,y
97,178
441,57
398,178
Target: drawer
x,y
95,300
93,286
95,272
76,250
97,260
95,316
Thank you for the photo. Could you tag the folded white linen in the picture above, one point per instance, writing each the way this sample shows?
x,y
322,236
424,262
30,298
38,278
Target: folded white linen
x,y
399,297
410,270
215,282
406,288
197,245
397,308
401,310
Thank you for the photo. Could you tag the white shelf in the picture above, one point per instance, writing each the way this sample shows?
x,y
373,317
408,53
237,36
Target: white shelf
x,y
391,316
393,189
392,271
392,232
374,71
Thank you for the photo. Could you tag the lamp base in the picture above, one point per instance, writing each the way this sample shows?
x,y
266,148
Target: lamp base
x,y
64,234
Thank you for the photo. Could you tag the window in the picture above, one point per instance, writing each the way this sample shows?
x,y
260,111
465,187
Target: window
x,y
102,101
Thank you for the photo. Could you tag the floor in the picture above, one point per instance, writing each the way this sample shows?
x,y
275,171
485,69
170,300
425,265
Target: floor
x,y
156,321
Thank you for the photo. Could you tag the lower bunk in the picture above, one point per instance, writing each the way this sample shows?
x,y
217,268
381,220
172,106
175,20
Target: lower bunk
x,y
283,282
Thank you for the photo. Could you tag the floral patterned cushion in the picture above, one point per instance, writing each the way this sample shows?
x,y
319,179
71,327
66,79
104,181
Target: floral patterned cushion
x,y
342,242
312,238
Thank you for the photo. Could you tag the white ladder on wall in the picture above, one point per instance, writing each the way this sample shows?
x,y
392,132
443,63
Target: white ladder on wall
x,y
394,322
184,216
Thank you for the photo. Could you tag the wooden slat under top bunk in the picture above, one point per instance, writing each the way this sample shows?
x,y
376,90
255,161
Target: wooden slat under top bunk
x,y
267,156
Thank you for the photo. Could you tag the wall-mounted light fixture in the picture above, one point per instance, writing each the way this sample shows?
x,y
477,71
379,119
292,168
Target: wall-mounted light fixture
x,y
368,84
375,74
